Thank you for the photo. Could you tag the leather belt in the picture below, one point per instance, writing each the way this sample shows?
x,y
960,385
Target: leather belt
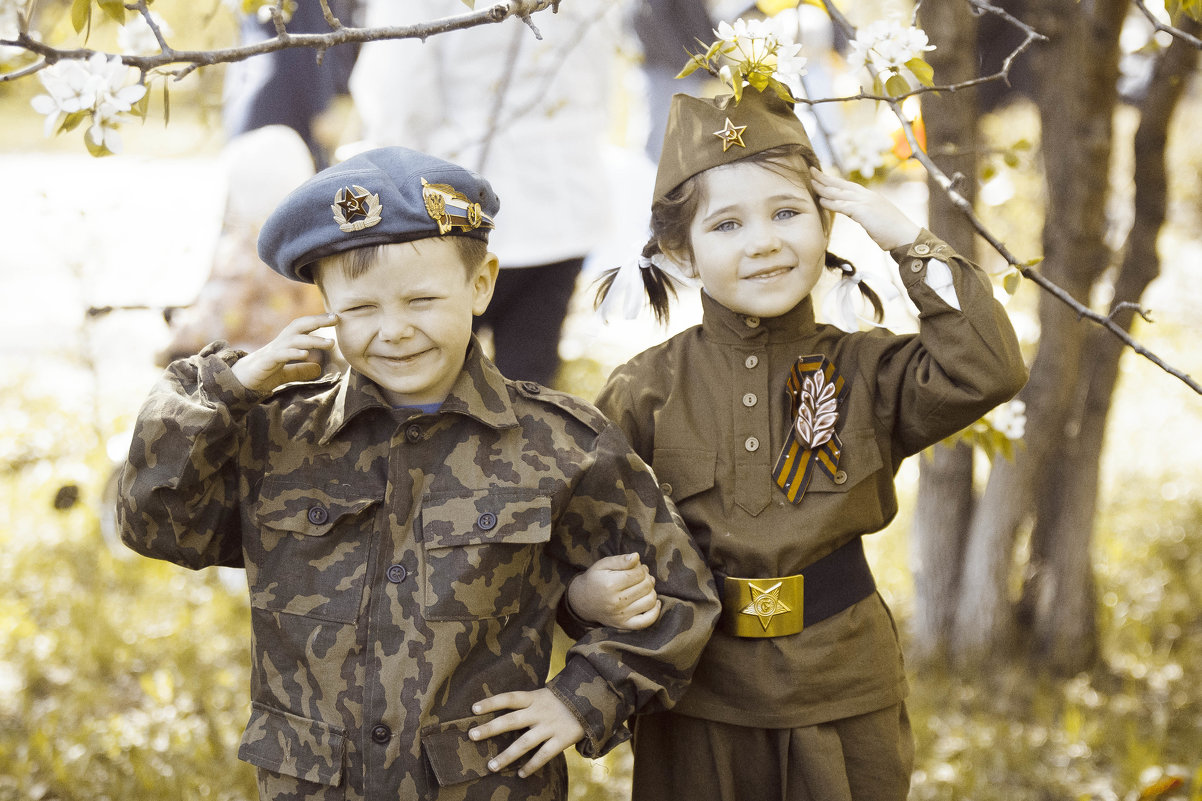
x,y
776,607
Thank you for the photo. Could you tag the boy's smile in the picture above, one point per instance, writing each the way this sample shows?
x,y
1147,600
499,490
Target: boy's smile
x,y
406,322
757,239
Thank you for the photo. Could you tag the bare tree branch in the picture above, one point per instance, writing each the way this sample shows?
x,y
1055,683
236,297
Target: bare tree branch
x,y
189,60
1188,38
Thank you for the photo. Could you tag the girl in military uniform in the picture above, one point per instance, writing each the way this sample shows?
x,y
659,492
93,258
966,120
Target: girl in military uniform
x,y
779,438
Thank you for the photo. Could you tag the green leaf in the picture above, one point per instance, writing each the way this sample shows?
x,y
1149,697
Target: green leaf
x,y
1011,282
72,121
1010,158
878,88
758,81
166,105
81,14
922,71
896,85
95,149
114,9
470,4
142,107
694,64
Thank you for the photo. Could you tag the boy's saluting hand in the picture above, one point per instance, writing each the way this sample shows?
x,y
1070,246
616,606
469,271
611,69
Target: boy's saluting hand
x,y
286,358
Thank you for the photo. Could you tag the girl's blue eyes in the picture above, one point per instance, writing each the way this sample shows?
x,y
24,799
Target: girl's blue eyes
x,y
726,226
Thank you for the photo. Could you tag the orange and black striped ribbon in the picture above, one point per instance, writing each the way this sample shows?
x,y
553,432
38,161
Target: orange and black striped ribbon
x,y
814,384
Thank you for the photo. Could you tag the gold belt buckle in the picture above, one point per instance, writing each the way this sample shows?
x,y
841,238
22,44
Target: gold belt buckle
x,y
771,607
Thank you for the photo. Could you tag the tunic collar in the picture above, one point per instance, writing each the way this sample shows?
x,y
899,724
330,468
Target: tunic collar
x,y
724,326
480,392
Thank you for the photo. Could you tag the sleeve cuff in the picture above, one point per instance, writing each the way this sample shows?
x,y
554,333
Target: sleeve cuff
x,y
598,708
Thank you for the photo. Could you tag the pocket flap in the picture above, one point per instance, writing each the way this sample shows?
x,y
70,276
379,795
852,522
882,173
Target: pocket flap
x,y
686,471
454,757
309,509
511,516
294,746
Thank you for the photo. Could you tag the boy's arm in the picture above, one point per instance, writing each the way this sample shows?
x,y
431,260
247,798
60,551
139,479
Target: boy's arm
x,y
610,674
177,496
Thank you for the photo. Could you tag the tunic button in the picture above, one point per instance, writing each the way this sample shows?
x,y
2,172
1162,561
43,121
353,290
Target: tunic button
x,y
487,521
922,249
666,488
413,433
318,515
752,361
916,266
530,387
381,734
749,400
751,322
397,573
751,444
840,477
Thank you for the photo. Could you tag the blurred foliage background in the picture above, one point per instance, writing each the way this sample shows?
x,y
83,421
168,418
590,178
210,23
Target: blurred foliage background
x,y
124,678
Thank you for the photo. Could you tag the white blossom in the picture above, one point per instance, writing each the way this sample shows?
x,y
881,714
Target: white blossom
x,y
137,37
862,148
886,44
1010,419
790,63
96,86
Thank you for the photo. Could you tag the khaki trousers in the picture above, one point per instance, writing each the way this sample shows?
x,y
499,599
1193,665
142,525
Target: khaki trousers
x,y
863,758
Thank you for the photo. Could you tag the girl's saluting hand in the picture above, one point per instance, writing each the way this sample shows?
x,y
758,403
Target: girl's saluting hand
x,y
888,226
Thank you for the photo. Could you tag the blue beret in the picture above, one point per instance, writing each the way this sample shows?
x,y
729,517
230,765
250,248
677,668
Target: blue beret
x,y
377,197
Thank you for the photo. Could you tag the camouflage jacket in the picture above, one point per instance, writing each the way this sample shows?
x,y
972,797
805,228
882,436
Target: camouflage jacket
x,y
405,565
708,409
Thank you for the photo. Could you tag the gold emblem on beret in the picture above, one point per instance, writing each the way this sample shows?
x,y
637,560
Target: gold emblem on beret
x,y
731,135
450,208
355,208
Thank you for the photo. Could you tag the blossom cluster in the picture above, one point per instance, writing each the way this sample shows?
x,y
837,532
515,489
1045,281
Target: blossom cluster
x,y
755,52
97,90
887,46
861,149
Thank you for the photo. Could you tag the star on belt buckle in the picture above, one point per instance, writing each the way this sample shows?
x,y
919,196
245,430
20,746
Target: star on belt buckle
x,y
763,607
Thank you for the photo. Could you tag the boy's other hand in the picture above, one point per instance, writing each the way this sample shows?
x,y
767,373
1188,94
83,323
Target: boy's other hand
x,y
616,591
550,726
286,358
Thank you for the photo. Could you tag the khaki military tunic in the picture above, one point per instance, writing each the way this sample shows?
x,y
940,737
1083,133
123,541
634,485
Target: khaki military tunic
x,y
708,409
405,565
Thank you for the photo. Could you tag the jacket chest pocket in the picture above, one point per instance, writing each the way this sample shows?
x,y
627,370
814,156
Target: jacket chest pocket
x,y
309,555
478,549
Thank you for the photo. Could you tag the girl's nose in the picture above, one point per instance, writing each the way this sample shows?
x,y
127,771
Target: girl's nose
x,y
762,240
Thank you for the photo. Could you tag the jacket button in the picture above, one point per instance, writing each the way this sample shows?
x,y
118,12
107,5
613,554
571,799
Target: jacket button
x,y
751,322
413,433
922,249
397,573
751,361
916,266
749,399
487,521
318,515
381,734
530,387
840,477
666,489
751,444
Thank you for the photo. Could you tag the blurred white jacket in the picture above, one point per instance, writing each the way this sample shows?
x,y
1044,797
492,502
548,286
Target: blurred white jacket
x,y
531,116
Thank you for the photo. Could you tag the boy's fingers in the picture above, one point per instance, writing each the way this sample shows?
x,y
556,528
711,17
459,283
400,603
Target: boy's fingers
x,y
511,700
617,562
311,322
516,749
645,619
541,757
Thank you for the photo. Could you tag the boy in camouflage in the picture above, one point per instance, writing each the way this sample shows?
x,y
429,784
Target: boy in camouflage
x,y
410,527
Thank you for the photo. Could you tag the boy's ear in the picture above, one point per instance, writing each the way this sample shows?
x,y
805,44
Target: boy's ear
x,y
484,282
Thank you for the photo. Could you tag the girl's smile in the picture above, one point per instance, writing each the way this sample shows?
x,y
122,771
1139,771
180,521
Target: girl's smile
x,y
758,241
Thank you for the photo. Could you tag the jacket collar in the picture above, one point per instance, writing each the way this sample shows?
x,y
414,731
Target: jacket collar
x,y
722,325
480,392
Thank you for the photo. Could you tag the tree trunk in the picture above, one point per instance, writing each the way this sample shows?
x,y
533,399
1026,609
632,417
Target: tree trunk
x,y
1087,426
1076,113
945,493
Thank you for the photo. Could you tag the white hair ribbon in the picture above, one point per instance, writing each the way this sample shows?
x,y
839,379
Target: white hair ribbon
x,y
845,306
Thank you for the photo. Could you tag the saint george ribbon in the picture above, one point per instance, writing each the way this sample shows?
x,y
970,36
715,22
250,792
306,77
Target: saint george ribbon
x,y
815,392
